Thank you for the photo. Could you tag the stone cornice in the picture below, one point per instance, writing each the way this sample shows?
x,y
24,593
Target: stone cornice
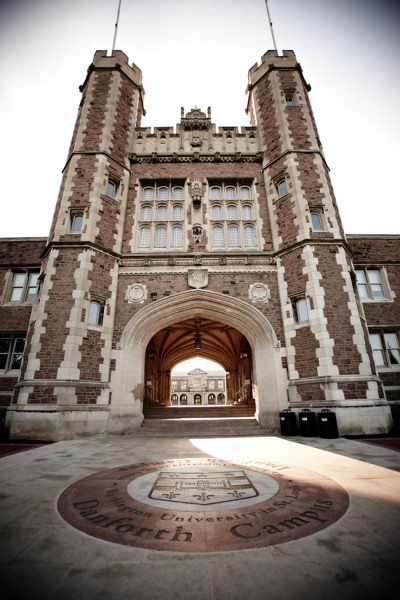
x,y
198,157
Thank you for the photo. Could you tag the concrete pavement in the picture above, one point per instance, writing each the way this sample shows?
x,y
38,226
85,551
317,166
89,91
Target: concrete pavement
x,y
43,557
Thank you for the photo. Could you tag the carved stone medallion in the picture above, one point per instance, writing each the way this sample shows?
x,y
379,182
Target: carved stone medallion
x,y
136,293
259,292
198,278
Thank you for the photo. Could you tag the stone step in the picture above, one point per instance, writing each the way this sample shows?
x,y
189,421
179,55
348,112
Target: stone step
x,y
195,412
201,427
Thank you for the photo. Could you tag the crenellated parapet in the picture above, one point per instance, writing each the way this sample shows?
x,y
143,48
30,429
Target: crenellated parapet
x,y
195,135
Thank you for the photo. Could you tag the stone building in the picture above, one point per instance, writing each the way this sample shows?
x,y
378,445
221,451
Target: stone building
x,y
198,387
169,243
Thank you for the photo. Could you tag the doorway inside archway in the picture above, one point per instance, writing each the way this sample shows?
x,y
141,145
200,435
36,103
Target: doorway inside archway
x,y
198,363
203,380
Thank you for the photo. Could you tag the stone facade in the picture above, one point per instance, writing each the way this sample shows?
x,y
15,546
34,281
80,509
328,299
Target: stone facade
x,y
172,243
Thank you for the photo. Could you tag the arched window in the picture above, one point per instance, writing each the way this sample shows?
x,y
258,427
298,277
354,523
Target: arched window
x,y
233,236
144,237
177,212
148,193
177,193
162,193
247,211
197,398
249,235
146,212
160,240
76,222
218,237
282,187
231,211
177,237
244,192
300,310
216,211
183,399
230,192
215,192
111,188
316,221
96,314
211,398
161,212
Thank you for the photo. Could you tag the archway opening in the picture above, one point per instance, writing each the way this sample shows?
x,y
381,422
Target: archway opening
x,y
203,379
227,350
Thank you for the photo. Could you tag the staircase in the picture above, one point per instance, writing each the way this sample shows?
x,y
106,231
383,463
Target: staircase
x,y
199,421
202,411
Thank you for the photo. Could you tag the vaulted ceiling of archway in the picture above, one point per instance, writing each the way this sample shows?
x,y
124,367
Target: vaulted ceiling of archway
x,y
219,342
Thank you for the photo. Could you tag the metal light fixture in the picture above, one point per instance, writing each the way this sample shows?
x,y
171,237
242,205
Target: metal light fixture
x,y
197,340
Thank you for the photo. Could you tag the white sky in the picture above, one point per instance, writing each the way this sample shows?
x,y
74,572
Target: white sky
x,y
198,363
198,53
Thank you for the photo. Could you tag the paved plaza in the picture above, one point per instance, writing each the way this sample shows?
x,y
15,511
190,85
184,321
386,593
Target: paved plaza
x,y
200,519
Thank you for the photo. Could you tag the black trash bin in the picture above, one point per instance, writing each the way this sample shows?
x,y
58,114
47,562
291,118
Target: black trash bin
x,y
308,423
327,424
288,422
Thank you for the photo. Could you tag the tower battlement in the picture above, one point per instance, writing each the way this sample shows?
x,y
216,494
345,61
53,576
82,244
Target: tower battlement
x,y
272,60
117,60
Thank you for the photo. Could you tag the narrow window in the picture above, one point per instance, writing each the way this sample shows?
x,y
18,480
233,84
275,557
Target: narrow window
x,y
282,188
111,188
144,237
249,234
233,236
177,236
230,192
148,193
247,211
96,313
377,349
177,193
231,211
160,240
316,221
146,212
162,193
218,237
300,310
216,211
244,192
177,212
5,345
76,222
215,192
161,212
289,99
392,348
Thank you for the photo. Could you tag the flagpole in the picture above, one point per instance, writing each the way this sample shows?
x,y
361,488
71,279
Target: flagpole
x,y
116,26
270,24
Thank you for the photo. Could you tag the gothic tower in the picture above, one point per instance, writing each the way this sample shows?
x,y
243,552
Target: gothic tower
x,y
327,348
67,365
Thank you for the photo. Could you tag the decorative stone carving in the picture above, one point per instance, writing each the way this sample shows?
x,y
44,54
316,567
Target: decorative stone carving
x,y
198,278
259,292
197,193
136,293
197,233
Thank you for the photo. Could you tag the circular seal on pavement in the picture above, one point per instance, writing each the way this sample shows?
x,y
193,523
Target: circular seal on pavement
x,y
203,504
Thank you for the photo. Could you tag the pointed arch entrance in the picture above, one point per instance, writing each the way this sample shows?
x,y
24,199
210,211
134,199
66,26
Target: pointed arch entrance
x,y
128,383
207,338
